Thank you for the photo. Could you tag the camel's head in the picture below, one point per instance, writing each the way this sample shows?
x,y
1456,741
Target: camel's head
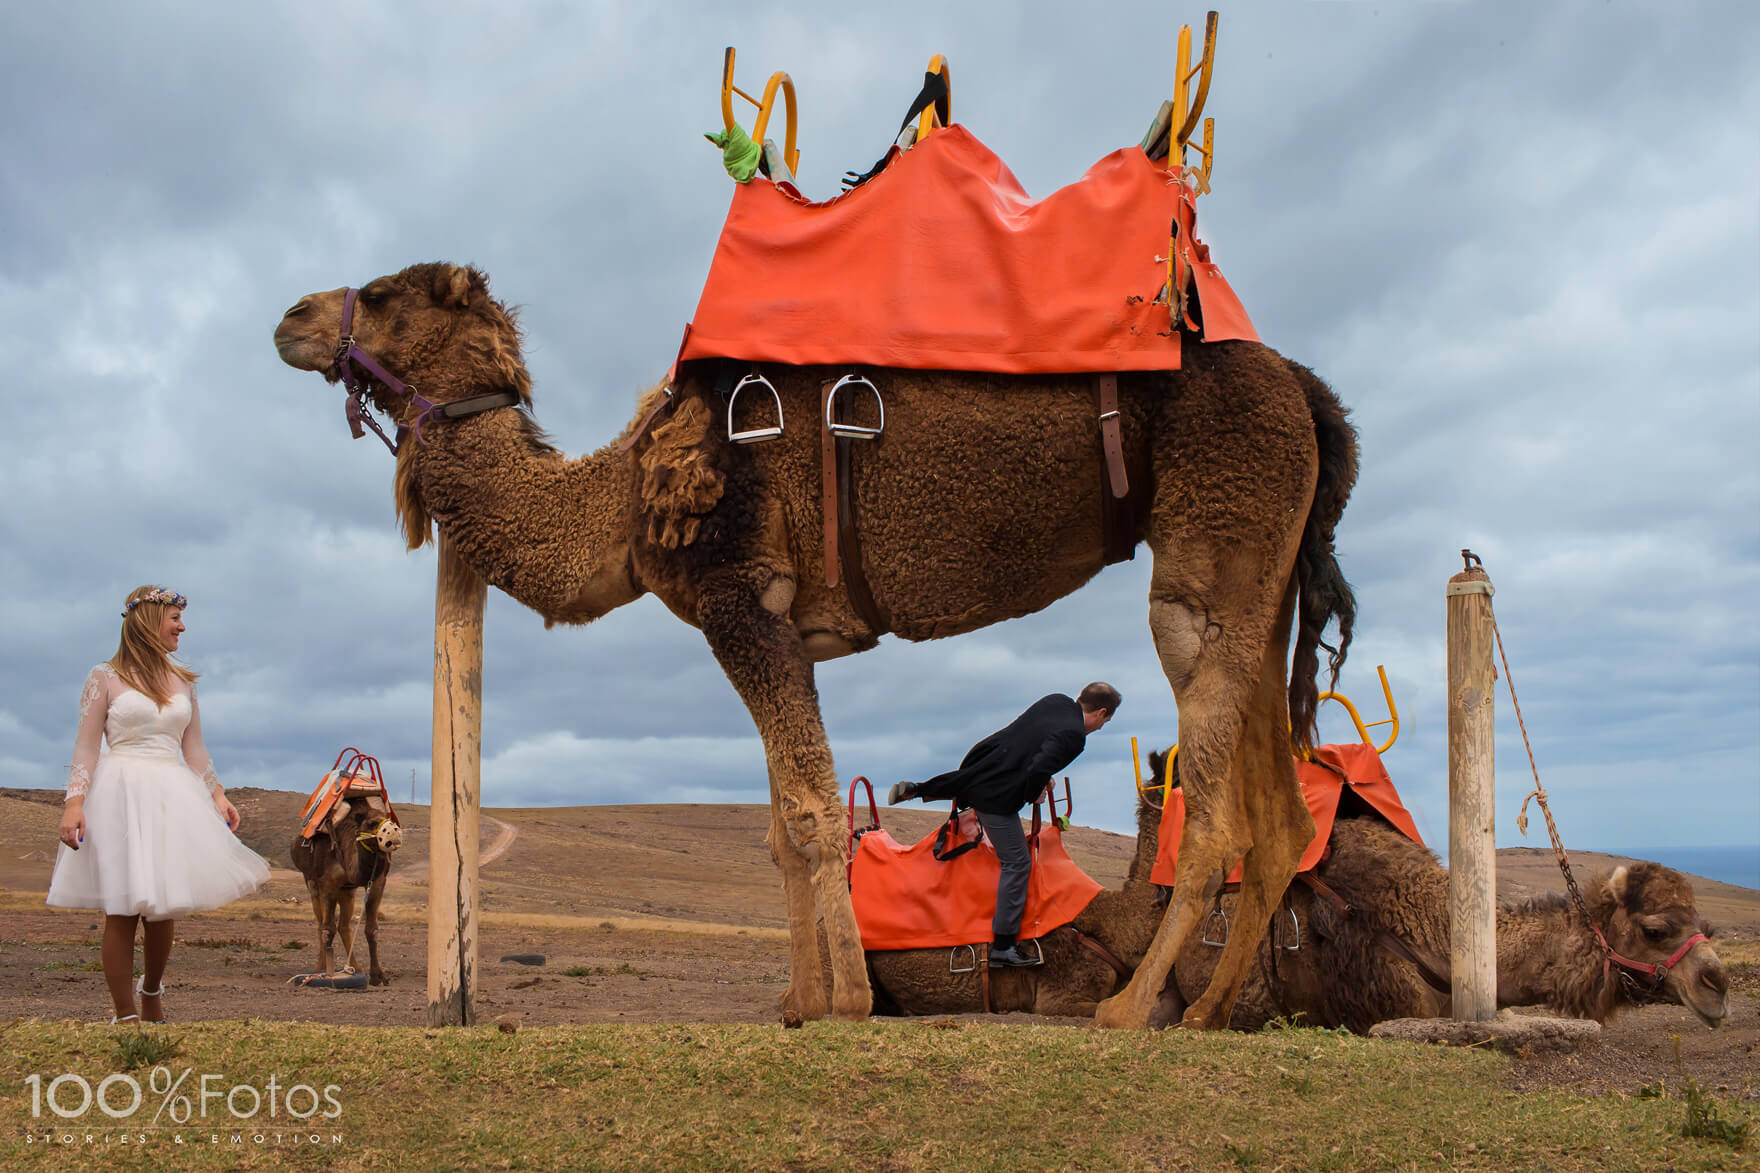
x,y
367,820
434,326
1648,914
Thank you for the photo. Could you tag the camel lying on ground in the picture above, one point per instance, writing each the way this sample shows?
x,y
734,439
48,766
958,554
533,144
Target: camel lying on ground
x,y
350,850
1342,975
981,502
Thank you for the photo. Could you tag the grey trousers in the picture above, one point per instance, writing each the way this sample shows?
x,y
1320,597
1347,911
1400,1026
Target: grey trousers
x,y
1010,842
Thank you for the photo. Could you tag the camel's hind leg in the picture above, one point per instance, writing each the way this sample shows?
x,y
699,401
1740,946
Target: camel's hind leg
x,y
759,649
1221,628
1278,823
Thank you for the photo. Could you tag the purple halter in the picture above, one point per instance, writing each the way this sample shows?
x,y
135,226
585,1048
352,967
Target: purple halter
x,y
348,353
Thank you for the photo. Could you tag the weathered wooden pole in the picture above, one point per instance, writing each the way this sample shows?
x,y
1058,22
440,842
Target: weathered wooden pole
x,y
456,790
1472,844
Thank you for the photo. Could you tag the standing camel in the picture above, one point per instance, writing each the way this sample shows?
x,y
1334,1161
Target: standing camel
x,y
982,502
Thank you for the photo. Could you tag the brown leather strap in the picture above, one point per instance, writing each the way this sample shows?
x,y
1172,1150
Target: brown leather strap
x,y
1388,941
983,952
1319,888
1399,948
1117,524
841,457
1105,954
828,462
666,400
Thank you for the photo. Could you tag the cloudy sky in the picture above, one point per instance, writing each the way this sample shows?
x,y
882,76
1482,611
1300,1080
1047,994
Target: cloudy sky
x,y
1523,243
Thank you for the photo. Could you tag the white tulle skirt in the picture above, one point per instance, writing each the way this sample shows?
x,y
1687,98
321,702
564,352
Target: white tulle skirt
x,y
154,846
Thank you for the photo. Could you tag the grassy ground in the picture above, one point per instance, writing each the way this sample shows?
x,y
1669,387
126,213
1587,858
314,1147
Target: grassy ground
x,y
934,1095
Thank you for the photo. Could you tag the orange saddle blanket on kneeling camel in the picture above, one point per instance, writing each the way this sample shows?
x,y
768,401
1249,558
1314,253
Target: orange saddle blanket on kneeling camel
x,y
942,262
1323,781
905,898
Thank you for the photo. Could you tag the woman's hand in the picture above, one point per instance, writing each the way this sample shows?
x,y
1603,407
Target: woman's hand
x,y
73,822
227,810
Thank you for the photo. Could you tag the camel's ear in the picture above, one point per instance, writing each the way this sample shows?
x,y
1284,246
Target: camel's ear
x,y
1616,884
452,287
680,483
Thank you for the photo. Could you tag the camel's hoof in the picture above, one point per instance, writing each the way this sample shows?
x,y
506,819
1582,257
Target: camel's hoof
x,y
810,1008
378,979
1117,1014
791,1020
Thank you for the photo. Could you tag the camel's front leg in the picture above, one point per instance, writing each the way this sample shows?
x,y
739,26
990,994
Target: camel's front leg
x,y
759,649
370,925
806,994
345,923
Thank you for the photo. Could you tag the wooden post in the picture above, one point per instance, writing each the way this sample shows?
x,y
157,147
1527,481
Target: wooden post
x,y
1472,845
455,790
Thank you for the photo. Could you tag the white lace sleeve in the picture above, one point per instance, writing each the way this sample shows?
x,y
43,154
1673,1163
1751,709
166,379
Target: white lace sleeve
x,y
194,752
94,706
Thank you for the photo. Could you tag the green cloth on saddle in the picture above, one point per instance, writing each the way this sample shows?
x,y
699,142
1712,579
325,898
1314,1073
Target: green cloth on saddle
x,y
739,154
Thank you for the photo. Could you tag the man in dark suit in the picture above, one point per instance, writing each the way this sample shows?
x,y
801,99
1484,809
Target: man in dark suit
x,y
1003,773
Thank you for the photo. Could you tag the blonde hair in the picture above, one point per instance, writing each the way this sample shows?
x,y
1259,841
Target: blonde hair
x,y
143,662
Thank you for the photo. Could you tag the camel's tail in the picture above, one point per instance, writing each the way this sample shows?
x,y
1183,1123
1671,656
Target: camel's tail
x,y
1324,594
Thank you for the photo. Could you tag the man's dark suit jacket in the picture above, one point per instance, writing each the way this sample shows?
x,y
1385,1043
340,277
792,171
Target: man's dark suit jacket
x,y
1008,769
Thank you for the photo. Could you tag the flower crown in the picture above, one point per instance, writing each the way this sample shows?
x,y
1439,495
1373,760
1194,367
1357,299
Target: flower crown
x,y
156,595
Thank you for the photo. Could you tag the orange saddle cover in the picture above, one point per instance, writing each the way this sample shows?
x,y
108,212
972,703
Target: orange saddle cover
x,y
1322,781
941,261
905,898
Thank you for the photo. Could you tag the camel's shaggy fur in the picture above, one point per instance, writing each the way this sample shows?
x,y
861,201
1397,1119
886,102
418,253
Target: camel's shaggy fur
x,y
982,502
335,864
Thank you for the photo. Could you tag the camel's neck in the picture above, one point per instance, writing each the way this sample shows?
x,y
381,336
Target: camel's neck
x,y
1546,955
1125,919
553,533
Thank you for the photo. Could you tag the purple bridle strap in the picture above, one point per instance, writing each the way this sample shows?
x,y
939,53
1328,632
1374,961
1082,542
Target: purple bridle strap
x,y
348,353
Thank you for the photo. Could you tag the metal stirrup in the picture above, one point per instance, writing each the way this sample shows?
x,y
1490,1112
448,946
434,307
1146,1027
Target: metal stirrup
x,y
971,955
1281,937
1216,914
753,435
853,431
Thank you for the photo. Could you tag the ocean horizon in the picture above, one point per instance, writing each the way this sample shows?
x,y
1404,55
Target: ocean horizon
x,y
1728,865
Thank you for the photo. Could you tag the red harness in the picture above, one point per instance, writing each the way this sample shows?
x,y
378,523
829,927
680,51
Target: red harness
x,y
1657,972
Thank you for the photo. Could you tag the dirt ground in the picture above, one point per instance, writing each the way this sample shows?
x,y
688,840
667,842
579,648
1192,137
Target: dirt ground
x,y
665,914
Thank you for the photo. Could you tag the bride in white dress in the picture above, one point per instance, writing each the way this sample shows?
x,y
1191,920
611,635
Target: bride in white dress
x,y
146,830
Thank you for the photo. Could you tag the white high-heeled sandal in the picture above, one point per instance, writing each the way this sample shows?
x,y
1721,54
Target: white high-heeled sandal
x,y
114,1021
140,991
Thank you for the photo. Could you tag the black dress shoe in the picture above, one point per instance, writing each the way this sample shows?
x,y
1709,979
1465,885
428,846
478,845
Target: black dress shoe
x,y
900,792
1012,956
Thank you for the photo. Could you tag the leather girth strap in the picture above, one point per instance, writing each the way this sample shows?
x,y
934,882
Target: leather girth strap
x,y
1105,954
843,550
1388,941
1117,523
984,976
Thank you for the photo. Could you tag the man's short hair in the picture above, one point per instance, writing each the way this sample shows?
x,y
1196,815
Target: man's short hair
x,y
1100,696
